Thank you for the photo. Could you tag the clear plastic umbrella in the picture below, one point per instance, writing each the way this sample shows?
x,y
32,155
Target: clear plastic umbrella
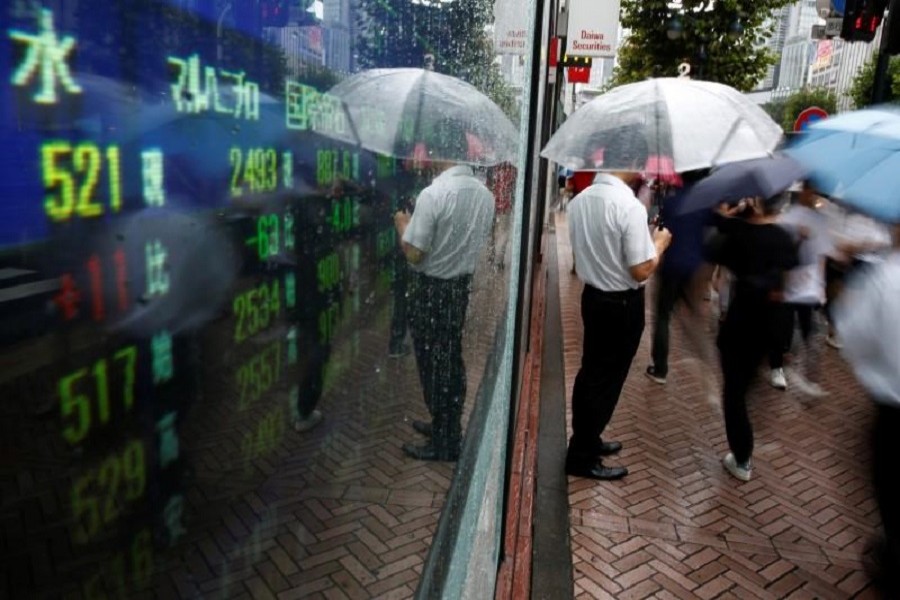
x,y
698,124
395,110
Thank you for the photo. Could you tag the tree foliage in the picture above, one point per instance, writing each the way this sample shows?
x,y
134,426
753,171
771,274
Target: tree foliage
x,y
775,109
803,99
708,41
400,33
861,88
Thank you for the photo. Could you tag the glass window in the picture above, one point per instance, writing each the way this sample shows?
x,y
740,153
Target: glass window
x,y
258,273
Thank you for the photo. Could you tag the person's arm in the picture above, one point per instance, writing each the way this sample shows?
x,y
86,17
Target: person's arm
x,y
642,250
401,222
416,231
641,272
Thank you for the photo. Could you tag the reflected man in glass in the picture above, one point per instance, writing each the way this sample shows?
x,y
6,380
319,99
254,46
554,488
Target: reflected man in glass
x,y
442,241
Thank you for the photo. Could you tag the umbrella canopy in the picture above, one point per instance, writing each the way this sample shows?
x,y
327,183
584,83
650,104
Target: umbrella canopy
x,y
395,110
699,124
855,159
761,177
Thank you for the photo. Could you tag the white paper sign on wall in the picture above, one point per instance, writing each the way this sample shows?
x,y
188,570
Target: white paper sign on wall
x,y
593,28
510,28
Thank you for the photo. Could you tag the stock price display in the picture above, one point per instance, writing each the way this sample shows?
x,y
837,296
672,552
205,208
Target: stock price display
x,y
151,357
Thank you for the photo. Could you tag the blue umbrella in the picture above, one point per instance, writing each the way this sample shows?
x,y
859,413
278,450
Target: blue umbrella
x,y
759,177
855,159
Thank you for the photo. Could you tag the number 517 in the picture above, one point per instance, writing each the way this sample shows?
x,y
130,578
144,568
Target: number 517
x,y
78,408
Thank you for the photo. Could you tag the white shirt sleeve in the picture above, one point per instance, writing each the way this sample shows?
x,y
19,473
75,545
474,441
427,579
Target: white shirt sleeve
x,y
637,244
420,231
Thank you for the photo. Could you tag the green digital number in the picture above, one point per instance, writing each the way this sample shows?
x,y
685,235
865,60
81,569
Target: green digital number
x,y
59,207
61,162
255,169
114,571
73,404
328,272
265,437
236,158
98,496
267,236
255,310
258,375
77,408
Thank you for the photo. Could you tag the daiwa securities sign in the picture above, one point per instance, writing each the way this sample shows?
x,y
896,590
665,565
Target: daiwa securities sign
x,y
593,28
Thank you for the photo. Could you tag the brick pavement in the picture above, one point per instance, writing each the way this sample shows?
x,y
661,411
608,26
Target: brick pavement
x,y
679,526
336,512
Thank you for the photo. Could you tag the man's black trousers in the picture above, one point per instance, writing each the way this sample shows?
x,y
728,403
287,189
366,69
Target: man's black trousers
x,y
437,313
613,324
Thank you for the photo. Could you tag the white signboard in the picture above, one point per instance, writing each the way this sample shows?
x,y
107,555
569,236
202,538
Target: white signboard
x,y
593,28
510,27
833,26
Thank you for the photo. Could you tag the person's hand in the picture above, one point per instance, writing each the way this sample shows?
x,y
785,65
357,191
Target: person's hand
x,y
727,210
401,218
662,238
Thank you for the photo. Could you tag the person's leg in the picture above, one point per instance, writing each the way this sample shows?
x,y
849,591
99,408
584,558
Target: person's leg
x,y
780,334
739,364
778,329
667,295
885,449
725,282
612,333
834,284
449,391
399,317
501,239
805,318
421,325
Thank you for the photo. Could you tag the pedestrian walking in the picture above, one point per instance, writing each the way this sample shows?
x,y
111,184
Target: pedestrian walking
x,y
678,271
804,292
442,240
859,242
615,253
758,253
868,327
501,181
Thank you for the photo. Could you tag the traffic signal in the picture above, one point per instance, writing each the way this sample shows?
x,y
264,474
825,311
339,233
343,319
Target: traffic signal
x,y
273,13
861,19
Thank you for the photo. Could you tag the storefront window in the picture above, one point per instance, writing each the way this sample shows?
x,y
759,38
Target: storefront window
x,y
219,365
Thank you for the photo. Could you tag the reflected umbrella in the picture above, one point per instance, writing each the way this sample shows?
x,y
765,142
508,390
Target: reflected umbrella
x,y
186,270
393,111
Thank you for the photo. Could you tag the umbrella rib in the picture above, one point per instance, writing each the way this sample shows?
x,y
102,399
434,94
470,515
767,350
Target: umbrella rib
x,y
874,166
725,141
418,119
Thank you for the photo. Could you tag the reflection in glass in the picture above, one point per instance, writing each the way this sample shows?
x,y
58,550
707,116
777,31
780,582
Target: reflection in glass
x,y
206,366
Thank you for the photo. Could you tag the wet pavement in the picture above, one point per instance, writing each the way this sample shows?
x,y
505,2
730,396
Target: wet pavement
x,y
679,526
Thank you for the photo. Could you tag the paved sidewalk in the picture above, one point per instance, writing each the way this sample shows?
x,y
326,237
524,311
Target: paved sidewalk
x,y
680,527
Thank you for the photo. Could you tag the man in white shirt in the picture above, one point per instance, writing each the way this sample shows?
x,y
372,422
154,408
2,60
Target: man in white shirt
x,y
614,255
866,317
442,241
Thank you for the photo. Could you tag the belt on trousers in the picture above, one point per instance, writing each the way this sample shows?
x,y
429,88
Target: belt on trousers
x,y
618,295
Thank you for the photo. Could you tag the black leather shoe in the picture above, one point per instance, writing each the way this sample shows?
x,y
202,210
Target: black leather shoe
x,y
596,471
607,448
428,452
422,427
